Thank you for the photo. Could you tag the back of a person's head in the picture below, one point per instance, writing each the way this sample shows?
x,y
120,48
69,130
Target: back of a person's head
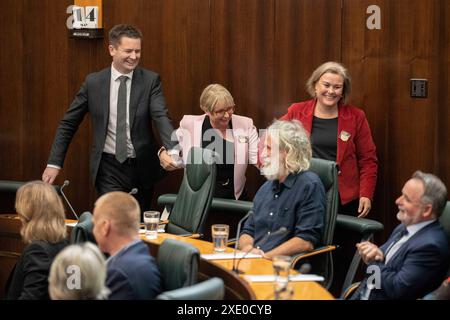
x,y
41,211
78,273
122,209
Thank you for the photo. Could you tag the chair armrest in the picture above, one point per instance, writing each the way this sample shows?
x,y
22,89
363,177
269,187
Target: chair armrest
x,y
230,205
361,225
167,199
191,235
350,290
296,258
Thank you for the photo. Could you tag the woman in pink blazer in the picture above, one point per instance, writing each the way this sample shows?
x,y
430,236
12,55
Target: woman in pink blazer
x,y
341,133
233,137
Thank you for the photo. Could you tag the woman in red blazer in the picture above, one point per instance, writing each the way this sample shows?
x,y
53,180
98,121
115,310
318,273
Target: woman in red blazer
x,y
341,133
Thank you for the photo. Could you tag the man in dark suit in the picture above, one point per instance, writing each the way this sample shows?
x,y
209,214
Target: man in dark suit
x,y
415,258
132,273
122,100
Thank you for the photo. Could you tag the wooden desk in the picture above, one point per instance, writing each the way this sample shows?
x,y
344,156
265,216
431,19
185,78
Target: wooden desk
x,y
237,287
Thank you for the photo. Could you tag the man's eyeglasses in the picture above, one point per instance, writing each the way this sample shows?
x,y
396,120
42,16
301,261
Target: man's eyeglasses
x,y
221,112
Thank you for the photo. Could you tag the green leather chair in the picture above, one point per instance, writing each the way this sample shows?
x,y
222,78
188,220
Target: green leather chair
x,y
321,258
443,292
178,264
445,220
211,289
193,201
82,231
366,228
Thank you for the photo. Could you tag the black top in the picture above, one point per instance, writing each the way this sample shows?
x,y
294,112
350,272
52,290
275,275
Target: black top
x,y
324,138
212,140
29,279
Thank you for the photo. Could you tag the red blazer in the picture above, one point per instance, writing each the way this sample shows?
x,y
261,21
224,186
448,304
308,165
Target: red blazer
x,y
356,152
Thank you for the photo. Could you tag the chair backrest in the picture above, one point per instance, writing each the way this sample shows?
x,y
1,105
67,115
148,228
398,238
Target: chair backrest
x,y
327,172
194,198
82,231
9,186
178,264
445,220
211,289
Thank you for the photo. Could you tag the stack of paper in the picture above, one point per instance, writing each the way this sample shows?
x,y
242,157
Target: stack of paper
x,y
295,277
230,255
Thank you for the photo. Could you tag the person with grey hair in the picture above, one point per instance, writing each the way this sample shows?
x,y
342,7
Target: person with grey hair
x,y
289,209
78,273
415,258
339,132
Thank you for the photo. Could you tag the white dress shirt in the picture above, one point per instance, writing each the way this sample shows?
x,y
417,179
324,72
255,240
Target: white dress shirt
x,y
110,142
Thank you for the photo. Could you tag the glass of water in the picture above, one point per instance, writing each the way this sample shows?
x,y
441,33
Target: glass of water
x,y
219,234
151,222
281,267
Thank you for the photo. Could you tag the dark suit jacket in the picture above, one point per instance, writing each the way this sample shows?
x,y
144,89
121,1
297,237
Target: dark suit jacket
x,y
356,152
147,103
29,279
133,274
417,268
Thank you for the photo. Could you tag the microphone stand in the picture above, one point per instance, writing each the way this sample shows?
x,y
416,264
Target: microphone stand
x,y
65,184
235,269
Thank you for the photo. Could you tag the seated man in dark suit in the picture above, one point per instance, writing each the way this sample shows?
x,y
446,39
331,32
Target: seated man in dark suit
x,y
415,259
132,273
289,209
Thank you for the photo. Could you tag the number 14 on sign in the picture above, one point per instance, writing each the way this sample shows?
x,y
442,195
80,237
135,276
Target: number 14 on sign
x,y
85,17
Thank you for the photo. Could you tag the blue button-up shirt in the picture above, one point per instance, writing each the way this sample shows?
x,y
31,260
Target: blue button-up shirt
x,y
294,208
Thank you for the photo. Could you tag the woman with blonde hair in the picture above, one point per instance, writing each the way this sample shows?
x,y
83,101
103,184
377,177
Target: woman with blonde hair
x,y
78,273
44,232
233,137
339,132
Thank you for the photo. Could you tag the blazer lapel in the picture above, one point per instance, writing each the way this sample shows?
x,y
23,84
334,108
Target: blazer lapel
x,y
344,132
136,89
105,87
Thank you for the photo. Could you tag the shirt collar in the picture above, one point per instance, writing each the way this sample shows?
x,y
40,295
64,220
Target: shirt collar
x,y
288,182
414,228
115,74
125,248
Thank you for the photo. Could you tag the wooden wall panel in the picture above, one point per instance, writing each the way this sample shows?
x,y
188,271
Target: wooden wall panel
x,y
11,90
242,49
307,34
443,101
382,62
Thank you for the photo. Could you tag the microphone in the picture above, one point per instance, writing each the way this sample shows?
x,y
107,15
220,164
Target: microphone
x,y
133,191
235,269
65,184
281,230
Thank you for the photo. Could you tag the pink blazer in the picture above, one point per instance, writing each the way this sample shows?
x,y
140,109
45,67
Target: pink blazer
x,y
245,143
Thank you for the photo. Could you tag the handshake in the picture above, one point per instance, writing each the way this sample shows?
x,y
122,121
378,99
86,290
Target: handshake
x,y
170,160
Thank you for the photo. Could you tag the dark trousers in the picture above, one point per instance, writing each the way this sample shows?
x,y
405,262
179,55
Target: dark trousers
x,y
115,176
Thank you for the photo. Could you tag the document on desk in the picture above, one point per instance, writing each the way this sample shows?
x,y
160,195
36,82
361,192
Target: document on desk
x,y
71,224
230,255
295,277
